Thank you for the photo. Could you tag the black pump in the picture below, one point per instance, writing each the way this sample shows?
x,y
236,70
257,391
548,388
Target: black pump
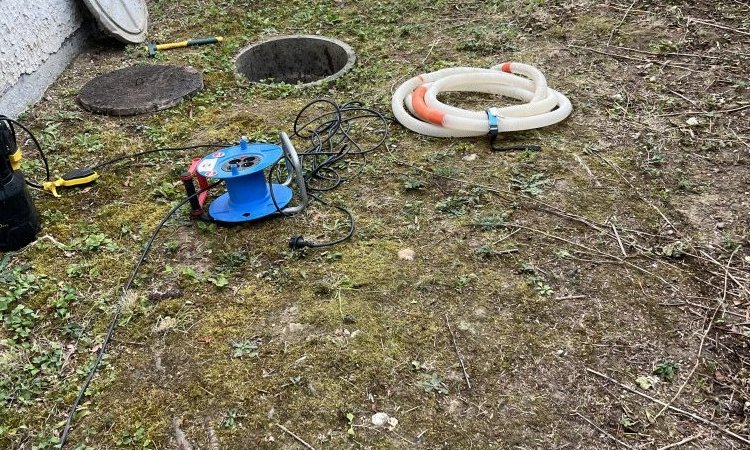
x,y
19,219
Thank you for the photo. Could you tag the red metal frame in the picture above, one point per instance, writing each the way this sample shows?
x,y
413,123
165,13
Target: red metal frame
x,y
191,174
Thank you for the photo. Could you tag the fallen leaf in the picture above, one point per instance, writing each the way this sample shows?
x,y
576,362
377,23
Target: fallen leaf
x,y
644,382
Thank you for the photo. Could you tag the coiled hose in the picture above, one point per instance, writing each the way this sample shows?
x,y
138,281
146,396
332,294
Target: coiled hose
x,y
427,115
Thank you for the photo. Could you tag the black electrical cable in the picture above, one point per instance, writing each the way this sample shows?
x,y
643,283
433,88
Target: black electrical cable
x,y
155,150
99,165
348,235
118,310
136,269
42,156
330,140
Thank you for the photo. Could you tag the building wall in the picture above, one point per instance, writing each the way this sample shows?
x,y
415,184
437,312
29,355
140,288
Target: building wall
x,y
38,39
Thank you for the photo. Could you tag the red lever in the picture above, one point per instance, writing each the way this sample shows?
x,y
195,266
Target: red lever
x,y
196,201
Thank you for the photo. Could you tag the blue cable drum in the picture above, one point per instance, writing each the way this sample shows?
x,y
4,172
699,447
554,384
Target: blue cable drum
x,y
248,195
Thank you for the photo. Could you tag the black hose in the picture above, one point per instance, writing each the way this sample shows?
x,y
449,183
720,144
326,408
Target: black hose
x,y
116,314
329,142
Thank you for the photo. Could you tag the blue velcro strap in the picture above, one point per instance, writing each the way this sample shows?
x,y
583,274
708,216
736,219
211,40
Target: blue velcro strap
x,y
494,122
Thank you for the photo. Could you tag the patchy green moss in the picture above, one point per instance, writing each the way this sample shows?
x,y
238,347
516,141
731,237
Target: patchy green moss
x,y
354,329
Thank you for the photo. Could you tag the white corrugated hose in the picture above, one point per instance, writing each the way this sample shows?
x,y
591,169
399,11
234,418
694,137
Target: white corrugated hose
x,y
427,115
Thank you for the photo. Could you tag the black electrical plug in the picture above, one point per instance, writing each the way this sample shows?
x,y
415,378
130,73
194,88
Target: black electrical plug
x,y
299,242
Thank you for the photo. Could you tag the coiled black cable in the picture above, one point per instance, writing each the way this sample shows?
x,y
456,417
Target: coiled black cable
x,y
330,139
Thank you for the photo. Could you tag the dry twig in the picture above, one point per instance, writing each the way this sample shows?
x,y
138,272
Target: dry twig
x,y
458,353
631,58
682,442
716,25
703,338
637,192
705,113
614,258
588,170
604,432
619,241
624,16
299,439
693,416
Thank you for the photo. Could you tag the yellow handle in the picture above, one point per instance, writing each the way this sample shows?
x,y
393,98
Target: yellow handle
x,y
15,160
61,182
172,45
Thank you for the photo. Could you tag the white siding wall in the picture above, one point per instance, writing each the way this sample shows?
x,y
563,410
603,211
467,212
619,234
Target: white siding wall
x,y
38,38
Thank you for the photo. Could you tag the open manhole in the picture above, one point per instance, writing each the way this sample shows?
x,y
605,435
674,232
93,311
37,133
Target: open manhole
x,y
295,59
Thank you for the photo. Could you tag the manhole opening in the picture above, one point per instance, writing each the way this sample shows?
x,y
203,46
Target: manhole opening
x,y
295,59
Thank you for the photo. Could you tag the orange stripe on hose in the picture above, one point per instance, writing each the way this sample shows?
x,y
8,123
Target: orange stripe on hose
x,y
506,67
424,111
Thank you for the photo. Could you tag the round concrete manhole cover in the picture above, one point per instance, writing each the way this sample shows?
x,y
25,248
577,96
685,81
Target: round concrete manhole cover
x,y
126,20
296,59
140,89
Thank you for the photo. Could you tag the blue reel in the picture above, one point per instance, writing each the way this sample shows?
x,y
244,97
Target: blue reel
x,y
250,195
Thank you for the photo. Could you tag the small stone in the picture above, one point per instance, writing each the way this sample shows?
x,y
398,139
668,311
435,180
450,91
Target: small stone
x,y
720,225
380,419
693,121
471,157
406,254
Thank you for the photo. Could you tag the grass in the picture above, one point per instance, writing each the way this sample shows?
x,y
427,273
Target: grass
x,y
228,327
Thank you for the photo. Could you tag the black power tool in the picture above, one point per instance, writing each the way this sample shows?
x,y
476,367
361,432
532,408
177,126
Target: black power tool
x,y
19,219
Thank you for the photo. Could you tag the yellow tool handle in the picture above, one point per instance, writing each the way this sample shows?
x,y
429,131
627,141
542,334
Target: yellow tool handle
x,y
187,43
79,177
172,45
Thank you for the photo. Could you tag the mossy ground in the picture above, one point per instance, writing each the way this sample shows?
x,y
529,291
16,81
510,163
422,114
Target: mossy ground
x,y
356,330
